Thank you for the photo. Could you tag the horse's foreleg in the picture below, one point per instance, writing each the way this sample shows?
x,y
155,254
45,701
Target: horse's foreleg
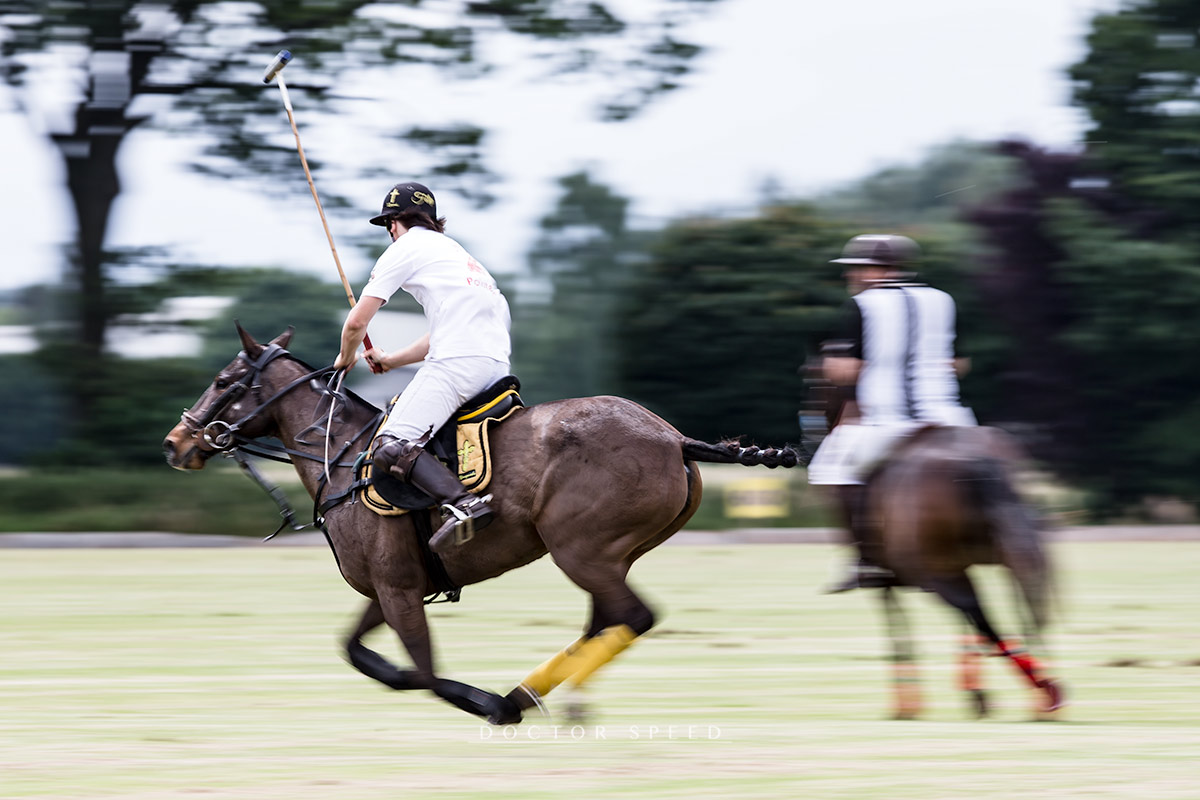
x,y
372,664
904,658
405,613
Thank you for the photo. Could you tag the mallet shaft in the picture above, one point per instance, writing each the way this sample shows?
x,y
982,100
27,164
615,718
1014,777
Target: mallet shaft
x,y
272,72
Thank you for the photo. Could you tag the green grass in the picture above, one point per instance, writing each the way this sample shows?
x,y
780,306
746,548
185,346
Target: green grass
x,y
188,673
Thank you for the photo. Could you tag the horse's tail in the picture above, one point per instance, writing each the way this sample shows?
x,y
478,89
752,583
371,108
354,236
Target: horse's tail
x,y
1017,536
729,452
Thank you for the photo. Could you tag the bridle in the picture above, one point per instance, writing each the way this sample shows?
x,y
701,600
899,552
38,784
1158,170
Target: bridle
x,y
222,436
227,437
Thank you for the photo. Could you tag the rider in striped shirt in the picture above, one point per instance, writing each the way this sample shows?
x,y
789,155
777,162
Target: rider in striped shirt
x,y
899,355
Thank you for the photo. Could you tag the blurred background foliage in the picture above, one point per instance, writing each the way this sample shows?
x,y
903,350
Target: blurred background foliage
x,y
1077,274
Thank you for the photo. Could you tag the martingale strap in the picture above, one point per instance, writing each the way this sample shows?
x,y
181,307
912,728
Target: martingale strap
x,y
277,494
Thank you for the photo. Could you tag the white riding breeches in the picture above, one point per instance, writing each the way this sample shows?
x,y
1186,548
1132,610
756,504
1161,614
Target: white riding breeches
x,y
849,453
439,388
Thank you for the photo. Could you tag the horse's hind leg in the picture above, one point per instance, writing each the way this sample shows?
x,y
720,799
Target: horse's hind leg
x,y
958,591
618,617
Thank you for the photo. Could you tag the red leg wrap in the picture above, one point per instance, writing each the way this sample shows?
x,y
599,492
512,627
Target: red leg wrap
x,y
1025,662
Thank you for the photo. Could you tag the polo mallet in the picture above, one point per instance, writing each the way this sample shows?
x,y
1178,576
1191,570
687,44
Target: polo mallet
x,y
274,72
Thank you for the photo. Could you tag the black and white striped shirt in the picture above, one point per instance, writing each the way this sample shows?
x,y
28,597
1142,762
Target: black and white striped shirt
x,y
905,333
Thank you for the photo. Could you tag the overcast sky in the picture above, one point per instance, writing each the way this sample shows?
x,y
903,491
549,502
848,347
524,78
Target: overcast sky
x,y
808,95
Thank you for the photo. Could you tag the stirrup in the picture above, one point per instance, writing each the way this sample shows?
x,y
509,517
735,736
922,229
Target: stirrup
x,y
459,520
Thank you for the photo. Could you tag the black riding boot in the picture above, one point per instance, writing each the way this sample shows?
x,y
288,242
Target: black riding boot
x,y
865,573
464,513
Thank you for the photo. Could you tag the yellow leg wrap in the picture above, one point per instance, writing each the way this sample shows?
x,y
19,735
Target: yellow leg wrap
x,y
540,681
593,654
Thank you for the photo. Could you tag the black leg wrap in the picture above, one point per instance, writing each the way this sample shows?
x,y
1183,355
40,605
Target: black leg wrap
x,y
373,665
496,709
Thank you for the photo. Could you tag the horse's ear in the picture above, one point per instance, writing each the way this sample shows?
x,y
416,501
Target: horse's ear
x,y
285,337
252,348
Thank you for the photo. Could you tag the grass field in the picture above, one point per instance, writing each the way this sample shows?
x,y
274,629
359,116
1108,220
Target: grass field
x,y
188,673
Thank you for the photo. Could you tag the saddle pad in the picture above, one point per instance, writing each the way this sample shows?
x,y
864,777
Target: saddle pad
x,y
473,461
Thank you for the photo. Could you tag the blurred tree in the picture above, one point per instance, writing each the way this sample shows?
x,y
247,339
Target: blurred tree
x,y
34,417
1097,314
713,327
203,60
933,191
268,301
564,326
1138,83
1131,331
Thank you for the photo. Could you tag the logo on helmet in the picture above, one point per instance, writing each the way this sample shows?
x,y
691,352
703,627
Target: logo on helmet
x,y
420,197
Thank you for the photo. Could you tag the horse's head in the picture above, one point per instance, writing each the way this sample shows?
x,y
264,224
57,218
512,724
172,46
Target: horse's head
x,y
229,406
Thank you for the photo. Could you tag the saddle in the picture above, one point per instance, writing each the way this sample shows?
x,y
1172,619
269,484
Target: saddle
x,y
462,444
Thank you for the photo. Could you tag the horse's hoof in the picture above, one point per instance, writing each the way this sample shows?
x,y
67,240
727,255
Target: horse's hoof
x,y
1054,696
979,704
504,712
575,709
576,712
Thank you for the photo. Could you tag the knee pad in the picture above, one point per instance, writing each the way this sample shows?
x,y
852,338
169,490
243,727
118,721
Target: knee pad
x,y
396,457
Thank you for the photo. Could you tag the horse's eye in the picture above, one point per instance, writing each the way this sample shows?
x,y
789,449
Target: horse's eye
x,y
221,383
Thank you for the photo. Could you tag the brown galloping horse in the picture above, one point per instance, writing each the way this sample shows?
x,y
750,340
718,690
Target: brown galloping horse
x,y
596,482
943,501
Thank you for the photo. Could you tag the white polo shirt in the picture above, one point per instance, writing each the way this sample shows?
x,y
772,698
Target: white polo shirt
x,y
468,316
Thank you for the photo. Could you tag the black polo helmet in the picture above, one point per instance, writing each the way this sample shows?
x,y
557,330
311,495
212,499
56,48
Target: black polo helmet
x,y
880,250
403,197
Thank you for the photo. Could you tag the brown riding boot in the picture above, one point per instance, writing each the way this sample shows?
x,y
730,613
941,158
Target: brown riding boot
x,y
464,513
865,573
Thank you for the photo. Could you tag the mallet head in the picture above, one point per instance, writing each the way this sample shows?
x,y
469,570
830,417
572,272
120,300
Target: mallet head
x,y
280,61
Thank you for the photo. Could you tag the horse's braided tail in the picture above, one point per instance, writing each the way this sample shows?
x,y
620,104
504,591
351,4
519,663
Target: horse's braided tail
x,y
729,452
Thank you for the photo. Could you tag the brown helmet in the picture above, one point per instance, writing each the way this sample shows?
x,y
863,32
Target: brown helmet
x,y
881,250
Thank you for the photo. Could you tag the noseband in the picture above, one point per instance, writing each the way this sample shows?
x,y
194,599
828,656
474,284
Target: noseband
x,y
221,435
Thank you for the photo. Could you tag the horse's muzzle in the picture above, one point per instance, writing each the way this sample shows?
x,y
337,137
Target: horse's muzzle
x,y
180,450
